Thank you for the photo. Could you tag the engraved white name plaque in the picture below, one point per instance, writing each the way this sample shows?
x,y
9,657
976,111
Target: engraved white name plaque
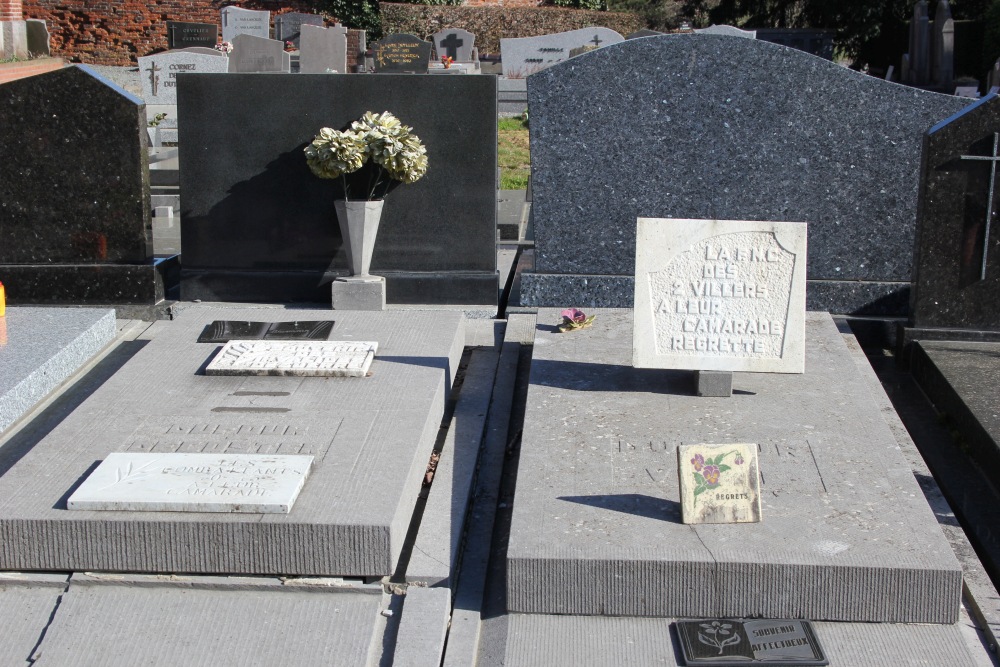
x,y
307,358
720,295
238,483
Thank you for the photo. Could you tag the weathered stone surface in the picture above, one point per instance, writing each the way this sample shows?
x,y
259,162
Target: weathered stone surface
x,y
242,483
294,358
27,602
41,347
792,138
596,526
370,439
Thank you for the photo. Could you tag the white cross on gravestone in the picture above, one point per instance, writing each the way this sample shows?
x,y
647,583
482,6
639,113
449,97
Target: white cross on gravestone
x,y
992,159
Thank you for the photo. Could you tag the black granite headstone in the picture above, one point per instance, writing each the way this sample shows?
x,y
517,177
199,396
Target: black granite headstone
x,y
401,53
956,282
259,226
181,35
727,642
288,27
223,331
75,225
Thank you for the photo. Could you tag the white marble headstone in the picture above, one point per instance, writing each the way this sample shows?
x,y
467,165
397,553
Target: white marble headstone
x,y
238,483
158,73
300,358
522,56
720,295
239,21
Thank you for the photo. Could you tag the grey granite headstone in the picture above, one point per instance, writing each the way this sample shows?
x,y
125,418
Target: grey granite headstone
x,y
203,51
956,281
323,49
38,37
181,34
943,47
522,56
288,27
455,43
401,53
841,153
158,73
645,32
239,21
729,30
258,54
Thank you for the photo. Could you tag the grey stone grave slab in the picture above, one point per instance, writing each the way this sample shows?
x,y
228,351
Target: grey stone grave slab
x,y
288,27
719,295
27,602
370,439
323,49
135,482
457,43
522,56
158,73
258,54
239,21
401,54
569,641
212,623
80,236
42,347
38,37
203,50
956,281
603,478
841,153
728,30
181,35
423,627
294,358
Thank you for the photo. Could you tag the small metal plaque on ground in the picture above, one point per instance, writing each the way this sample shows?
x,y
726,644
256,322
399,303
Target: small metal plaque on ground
x,y
223,331
724,641
239,483
719,483
300,358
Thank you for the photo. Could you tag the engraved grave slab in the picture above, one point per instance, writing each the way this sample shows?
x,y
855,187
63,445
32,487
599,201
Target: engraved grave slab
x,y
313,358
239,21
728,642
193,483
258,54
158,72
522,56
720,295
402,53
719,483
181,35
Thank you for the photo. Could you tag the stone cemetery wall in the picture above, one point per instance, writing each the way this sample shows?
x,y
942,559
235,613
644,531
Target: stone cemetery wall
x,y
707,126
491,23
258,225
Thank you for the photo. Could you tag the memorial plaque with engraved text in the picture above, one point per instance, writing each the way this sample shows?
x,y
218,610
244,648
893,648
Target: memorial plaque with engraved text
x,y
719,483
313,358
726,642
723,295
193,483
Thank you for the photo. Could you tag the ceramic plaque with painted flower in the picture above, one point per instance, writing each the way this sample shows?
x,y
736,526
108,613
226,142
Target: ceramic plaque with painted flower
x,y
719,483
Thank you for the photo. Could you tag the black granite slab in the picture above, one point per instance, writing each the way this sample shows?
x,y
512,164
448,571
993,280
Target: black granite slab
x,y
726,642
709,126
182,35
75,192
401,53
223,331
956,282
258,225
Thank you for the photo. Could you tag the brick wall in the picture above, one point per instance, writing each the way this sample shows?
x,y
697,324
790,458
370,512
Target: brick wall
x,y
11,10
116,32
25,68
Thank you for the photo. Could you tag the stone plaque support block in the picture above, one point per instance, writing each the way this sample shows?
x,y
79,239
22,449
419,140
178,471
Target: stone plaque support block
x,y
713,383
359,293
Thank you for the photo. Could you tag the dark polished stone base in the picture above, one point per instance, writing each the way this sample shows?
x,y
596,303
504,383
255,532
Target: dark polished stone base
x,y
472,288
906,336
97,284
848,297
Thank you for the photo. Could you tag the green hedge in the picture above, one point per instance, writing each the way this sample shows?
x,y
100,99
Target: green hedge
x,y
490,23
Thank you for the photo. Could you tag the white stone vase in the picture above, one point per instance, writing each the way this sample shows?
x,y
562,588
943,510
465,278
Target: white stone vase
x,y
358,226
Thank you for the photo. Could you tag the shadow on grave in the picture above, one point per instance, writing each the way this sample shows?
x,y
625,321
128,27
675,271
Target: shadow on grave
x,y
636,504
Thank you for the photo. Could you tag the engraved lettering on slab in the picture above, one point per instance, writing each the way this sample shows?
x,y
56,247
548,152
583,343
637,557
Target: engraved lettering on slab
x,y
728,641
719,483
193,483
313,358
719,295
638,464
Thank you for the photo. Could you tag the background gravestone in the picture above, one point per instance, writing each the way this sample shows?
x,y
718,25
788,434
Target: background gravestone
x,y
258,225
238,21
956,281
784,136
258,54
181,35
158,73
454,42
323,49
522,56
76,224
288,27
401,53
38,37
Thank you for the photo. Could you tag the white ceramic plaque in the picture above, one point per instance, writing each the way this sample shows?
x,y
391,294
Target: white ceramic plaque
x,y
720,295
313,358
239,483
719,483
